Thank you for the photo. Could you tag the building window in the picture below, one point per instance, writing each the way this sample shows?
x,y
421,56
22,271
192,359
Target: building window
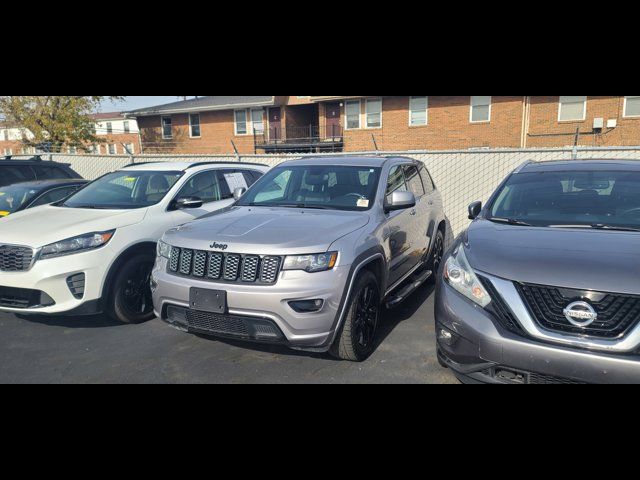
x,y
418,108
480,109
129,149
257,121
112,149
126,126
194,125
632,106
241,122
373,110
5,135
572,109
353,110
109,128
72,150
167,132
8,151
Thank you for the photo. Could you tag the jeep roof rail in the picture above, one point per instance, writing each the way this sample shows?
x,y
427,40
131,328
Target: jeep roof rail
x,y
202,164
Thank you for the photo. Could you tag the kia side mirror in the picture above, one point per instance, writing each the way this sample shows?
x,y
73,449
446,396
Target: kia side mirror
x,y
186,203
239,192
400,201
474,210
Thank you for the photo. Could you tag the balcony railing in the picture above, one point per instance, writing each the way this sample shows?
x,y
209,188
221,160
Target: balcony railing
x,y
305,138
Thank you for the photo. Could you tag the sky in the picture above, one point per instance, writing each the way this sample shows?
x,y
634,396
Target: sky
x,y
131,103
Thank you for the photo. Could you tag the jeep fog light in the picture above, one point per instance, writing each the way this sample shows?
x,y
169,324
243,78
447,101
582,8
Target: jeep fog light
x,y
307,306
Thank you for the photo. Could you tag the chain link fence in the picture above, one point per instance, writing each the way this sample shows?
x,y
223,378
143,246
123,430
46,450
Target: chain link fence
x,y
461,176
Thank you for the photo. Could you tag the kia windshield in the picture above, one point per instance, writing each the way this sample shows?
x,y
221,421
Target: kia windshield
x,y
580,199
319,187
124,190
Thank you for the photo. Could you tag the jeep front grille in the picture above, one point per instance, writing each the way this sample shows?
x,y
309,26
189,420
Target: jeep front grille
x,y
15,259
224,267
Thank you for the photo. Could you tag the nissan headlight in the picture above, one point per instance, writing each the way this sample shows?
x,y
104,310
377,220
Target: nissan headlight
x,y
82,243
164,250
320,262
460,276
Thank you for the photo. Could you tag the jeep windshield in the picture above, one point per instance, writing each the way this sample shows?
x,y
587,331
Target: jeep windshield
x,y
580,199
349,188
124,190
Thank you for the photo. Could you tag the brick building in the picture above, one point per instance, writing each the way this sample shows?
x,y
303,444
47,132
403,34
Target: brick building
x,y
218,124
120,136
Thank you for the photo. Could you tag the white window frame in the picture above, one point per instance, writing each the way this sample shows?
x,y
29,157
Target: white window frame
x,y
471,105
108,126
253,124
624,112
115,149
411,110
366,112
126,126
346,116
246,123
191,135
164,137
584,111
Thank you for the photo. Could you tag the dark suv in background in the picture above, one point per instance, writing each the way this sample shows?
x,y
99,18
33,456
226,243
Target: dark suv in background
x,y
544,286
17,171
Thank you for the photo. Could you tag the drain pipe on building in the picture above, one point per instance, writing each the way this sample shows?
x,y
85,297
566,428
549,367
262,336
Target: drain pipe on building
x,y
526,116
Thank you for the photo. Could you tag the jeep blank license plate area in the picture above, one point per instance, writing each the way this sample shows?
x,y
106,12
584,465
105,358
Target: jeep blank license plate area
x,y
210,301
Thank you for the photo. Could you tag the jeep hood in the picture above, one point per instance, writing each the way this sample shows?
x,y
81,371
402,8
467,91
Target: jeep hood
x,y
268,231
605,261
44,225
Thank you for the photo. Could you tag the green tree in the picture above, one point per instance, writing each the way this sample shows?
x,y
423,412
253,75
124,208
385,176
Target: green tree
x,y
60,121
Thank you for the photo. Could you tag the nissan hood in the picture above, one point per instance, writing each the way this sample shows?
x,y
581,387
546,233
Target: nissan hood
x,y
605,261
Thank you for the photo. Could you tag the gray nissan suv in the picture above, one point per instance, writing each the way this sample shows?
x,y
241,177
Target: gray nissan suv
x,y
544,286
307,257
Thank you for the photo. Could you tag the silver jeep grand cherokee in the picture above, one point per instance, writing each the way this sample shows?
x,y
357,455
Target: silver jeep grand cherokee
x,y
307,257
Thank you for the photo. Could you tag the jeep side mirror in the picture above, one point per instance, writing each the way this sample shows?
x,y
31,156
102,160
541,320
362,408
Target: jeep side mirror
x,y
239,192
474,210
400,201
185,203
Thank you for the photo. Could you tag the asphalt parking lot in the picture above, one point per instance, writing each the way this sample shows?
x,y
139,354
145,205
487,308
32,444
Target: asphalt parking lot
x,y
95,350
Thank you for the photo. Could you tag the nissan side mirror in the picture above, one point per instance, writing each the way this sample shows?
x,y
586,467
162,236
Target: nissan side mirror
x,y
400,201
186,203
474,210
238,193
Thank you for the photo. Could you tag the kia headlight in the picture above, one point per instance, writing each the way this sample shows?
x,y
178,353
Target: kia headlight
x,y
320,262
82,243
460,276
164,250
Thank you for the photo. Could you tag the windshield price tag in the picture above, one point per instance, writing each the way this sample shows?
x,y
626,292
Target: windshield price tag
x,y
235,180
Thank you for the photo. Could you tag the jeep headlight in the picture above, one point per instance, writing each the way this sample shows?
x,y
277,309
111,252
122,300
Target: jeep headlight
x,y
320,262
164,250
460,276
82,243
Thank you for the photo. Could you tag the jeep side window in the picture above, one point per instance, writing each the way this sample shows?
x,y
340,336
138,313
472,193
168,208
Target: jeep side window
x,y
54,196
11,175
427,180
204,185
413,180
396,182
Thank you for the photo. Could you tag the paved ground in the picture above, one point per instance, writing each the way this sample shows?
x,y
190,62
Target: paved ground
x,y
94,350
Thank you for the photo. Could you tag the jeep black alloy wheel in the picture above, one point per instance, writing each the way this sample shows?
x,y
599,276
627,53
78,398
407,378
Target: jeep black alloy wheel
x,y
437,254
131,296
357,337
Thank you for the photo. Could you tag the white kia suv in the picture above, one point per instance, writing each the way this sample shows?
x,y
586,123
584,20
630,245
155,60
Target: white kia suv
x,y
94,251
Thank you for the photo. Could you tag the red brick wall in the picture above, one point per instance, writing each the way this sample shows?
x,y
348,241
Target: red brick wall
x,y
544,121
448,126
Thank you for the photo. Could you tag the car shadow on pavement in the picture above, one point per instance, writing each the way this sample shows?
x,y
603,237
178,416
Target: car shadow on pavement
x,y
91,321
393,317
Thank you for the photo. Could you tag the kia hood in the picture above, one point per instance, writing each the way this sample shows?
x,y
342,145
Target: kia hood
x,y
605,261
44,225
268,231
